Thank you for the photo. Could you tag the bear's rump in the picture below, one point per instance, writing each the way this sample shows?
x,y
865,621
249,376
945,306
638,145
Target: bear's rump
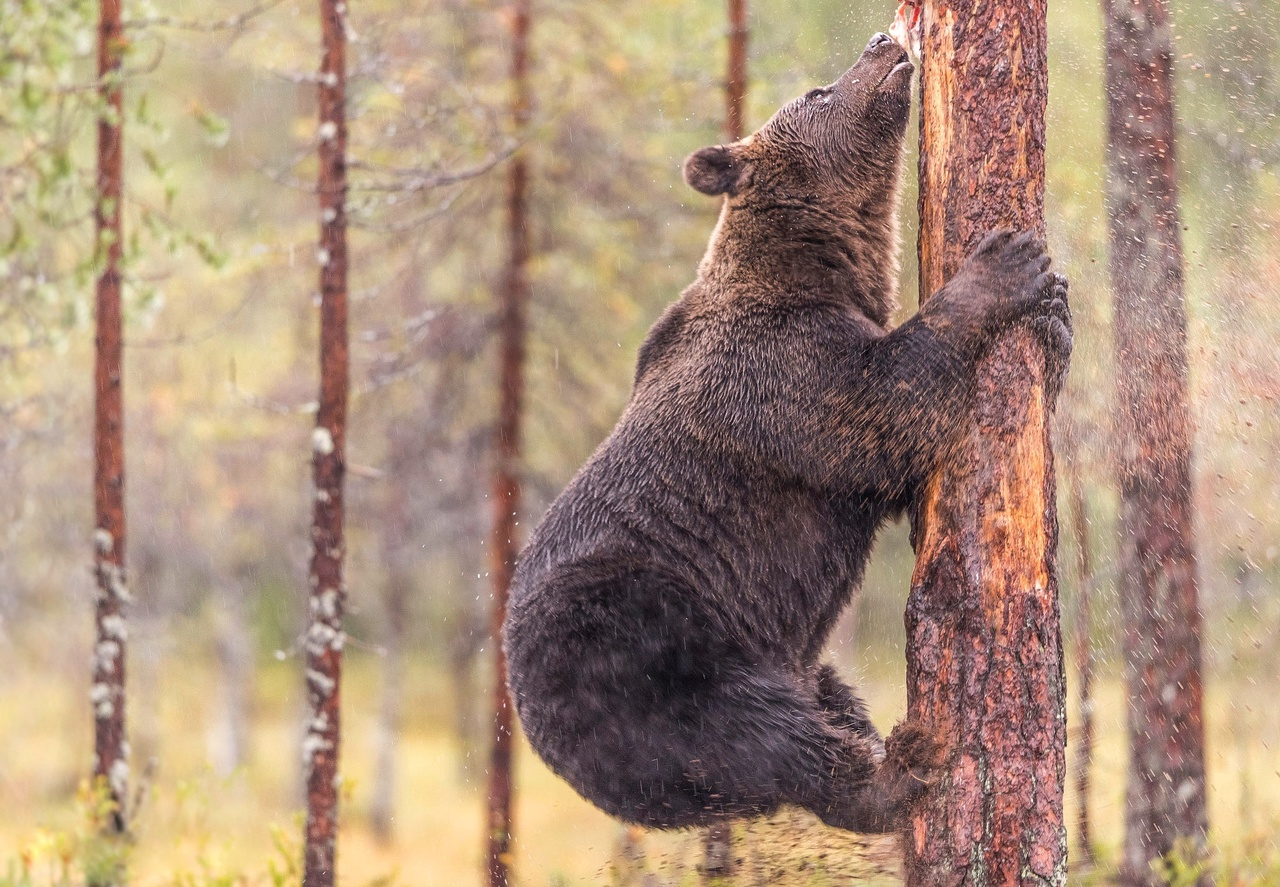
x,y
629,689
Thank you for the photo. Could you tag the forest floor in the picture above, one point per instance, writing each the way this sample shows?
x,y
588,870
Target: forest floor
x,y
197,828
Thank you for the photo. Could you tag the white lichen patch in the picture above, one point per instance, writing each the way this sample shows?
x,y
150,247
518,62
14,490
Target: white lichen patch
x,y
115,627
319,637
101,697
313,745
321,682
105,656
327,131
322,441
103,541
118,777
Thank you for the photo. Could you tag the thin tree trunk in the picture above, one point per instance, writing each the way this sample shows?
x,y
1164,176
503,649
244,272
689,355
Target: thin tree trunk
x,y
111,748
504,545
235,665
1165,799
1084,643
984,652
328,592
395,599
718,847
735,84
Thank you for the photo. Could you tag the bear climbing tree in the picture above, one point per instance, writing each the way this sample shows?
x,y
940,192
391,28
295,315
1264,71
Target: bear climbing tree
x,y
984,659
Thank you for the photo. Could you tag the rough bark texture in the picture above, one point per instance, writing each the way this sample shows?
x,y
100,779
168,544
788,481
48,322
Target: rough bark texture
x,y
504,544
110,746
1084,643
1165,800
984,657
718,848
324,638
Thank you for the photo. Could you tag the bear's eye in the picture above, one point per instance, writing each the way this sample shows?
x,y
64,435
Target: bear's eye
x,y
816,93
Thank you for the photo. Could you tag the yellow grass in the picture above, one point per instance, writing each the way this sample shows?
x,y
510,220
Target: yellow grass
x,y
194,821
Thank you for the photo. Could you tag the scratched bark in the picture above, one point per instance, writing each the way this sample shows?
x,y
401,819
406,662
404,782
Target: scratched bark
x,y
984,658
110,745
1165,798
504,544
324,638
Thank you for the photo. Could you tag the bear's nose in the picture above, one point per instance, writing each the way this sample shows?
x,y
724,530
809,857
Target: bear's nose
x,y
879,39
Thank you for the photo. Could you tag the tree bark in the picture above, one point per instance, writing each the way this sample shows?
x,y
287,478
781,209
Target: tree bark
x,y
735,84
111,748
718,846
324,639
1165,799
984,652
504,544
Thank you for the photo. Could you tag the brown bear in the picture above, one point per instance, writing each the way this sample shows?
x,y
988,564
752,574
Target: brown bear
x,y
667,617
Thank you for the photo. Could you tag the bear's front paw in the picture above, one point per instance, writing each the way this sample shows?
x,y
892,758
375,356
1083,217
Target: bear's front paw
x,y
916,752
1008,264
1053,326
915,759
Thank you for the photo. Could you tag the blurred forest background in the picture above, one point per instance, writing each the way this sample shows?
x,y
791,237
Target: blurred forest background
x,y
221,333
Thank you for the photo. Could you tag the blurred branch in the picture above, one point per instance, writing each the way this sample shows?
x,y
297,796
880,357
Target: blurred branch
x,y
234,21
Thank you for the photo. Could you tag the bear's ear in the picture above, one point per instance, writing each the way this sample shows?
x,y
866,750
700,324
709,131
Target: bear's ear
x,y
718,169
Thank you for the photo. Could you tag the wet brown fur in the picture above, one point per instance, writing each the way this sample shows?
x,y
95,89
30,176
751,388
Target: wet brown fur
x,y
668,615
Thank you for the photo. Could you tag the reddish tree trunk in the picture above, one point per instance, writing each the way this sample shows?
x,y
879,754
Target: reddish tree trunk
x,y
504,545
1165,801
324,638
1084,643
735,84
717,851
111,750
984,653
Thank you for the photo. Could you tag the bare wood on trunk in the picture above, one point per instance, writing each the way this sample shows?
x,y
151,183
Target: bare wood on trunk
x,y
504,544
718,847
110,744
1165,799
324,639
984,652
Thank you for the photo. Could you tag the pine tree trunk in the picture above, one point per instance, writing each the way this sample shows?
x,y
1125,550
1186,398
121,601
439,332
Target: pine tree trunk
x,y
504,545
718,847
1165,800
324,637
111,748
984,652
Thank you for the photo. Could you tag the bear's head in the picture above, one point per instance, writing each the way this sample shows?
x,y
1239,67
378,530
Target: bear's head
x,y
814,190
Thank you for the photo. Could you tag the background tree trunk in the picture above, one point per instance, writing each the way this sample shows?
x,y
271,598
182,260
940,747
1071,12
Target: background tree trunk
x,y
397,586
234,644
111,749
504,545
1165,799
984,652
324,638
718,849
